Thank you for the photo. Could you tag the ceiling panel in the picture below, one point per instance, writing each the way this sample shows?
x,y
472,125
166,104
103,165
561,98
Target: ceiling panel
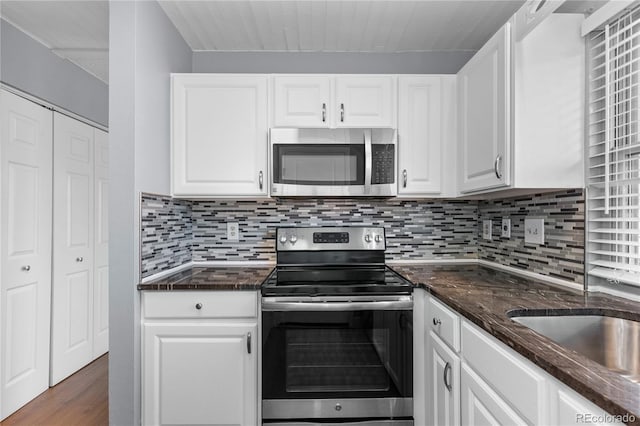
x,y
338,25
76,30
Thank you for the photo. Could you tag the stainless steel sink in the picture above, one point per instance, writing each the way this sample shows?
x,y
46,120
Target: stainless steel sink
x,y
611,342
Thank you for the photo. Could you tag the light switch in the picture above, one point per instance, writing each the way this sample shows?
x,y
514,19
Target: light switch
x,y
486,229
533,231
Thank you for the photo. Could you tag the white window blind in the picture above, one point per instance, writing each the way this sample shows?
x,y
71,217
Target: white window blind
x,y
613,176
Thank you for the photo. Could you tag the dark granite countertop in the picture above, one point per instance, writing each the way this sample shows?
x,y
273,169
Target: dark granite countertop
x,y
212,278
484,296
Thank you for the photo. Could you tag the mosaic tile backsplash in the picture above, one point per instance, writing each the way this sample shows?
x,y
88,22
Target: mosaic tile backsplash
x,y
165,233
562,255
178,231
414,229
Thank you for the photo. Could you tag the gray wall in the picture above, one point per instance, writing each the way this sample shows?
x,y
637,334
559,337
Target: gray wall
x,y
339,63
144,49
31,67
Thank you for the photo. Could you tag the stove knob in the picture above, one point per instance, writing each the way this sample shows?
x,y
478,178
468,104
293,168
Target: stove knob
x,y
293,239
283,239
378,238
367,238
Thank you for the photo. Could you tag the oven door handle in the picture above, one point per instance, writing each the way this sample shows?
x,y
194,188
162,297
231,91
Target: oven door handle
x,y
383,305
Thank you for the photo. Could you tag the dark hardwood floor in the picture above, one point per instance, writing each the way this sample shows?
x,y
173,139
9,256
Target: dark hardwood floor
x,y
82,399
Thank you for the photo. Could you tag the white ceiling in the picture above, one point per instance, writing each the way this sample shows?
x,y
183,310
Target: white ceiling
x,y
78,30
338,26
75,30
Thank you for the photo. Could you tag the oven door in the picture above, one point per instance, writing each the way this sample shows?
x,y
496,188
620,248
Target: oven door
x,y
326,358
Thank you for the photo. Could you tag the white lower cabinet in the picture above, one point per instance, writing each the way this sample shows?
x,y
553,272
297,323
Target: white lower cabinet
x,y
488,383
567,408
481,405
200,362
444,386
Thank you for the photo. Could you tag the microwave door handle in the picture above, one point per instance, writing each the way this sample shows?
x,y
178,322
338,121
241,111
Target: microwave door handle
x,y
368,161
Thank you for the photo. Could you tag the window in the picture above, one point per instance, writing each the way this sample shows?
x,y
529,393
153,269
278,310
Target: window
x,y
613,174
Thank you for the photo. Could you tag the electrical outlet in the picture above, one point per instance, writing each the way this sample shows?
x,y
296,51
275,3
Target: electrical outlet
x,y
505,230
533,231
486,229
233,231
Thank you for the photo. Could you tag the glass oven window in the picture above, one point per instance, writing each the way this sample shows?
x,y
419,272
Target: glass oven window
x,y
335,360
354,354
319,164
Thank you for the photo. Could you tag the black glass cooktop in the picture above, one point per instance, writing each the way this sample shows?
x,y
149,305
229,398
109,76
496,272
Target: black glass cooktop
x,y
327,281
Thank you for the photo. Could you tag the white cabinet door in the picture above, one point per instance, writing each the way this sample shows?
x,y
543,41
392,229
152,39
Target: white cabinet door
x,y
25,250
443,384
568,408
219,135
480,405
484,116
199,373
365,101
425,133
301,101
101,246
73,250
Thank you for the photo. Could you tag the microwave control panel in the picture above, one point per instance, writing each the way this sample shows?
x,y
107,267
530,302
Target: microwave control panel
x,y
383,163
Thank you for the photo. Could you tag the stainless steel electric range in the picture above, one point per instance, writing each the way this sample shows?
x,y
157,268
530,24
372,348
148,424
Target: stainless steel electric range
x,y
337,333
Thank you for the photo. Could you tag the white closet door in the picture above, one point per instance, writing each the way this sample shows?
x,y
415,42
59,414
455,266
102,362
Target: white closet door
x,y
25,250
101,233
73,188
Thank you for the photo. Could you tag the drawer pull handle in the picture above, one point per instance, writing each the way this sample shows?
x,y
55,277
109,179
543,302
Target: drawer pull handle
x,y
26,268
436,321
249,342
445,376
79,259
198,306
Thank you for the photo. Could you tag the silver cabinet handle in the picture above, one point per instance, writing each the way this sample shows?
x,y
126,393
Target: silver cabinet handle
x,y
249,342
404,178
447,369
342,113
496,166
261,179
436,321
79,259
26,268
198,306
324,112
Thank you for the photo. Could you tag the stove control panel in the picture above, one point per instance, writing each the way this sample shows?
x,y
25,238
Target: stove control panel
x,y
330,238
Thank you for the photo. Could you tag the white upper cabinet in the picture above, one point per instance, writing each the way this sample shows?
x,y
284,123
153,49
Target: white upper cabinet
x,y
327,101
521,108
219,135
426,135
302,101
483,102
365,101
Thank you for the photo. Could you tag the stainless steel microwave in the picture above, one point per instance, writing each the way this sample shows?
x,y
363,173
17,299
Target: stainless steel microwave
x,y
333,162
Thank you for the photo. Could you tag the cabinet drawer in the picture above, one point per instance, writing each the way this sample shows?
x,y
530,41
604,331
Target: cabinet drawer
x,y
515,379
213,304
445,323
